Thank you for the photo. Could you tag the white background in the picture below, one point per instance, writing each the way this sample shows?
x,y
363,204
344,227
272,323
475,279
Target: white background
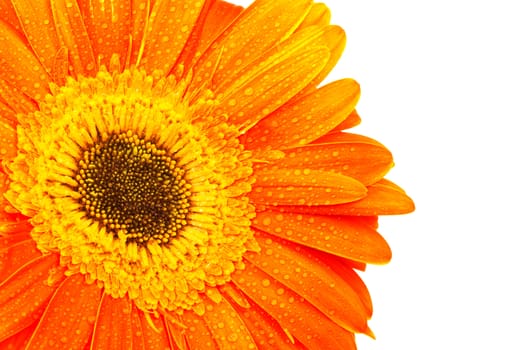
x,y
443,87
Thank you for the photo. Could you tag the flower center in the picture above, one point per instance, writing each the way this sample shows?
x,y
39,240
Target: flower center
x,y
136,187
133,187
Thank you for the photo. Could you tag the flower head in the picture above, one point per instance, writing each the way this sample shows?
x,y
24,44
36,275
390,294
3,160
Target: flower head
x,y
173,176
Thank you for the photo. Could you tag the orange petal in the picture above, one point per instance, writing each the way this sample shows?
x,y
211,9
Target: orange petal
x,y
226,327
347,237
25,294
381,199
303,272
14,256
37,22
335,40
268,85
8,14
15,99
14,224
304,187
7,115
68,319
176,329
352,120
9,239
266,331
73,35
219,17
319,15
296,316
169,27
307,118
138,341
154,331
358,157
8,140
258,28
189,54
108,26
19,66
19,340
198,336
140,10
113,325
345,269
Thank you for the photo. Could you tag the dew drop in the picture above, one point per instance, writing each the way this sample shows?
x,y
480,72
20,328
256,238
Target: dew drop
x,y
232,337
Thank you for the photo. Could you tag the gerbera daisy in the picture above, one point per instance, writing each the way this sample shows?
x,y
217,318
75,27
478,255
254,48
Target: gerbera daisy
x,y
173,177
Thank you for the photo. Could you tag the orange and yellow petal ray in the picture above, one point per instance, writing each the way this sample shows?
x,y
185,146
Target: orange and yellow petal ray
x,y
381,199
15,99
226,327
391,184
304,273
303,187
353,264
37,22
68,319
307,118
140,10
189,55
138,341
154,331
352,120
293,45
198,335
15,256
319,15
108,25
8,239
8,140
26,294
19,66
258,28
219,17
358,157
268,85
7,115
266,332
297,317
8,14
347,237
345,269
112,328
169,26
176,332
19,340
72,34
335,40
11,221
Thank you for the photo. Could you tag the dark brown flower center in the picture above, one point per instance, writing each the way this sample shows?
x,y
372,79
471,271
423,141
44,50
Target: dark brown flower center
x,y
133,187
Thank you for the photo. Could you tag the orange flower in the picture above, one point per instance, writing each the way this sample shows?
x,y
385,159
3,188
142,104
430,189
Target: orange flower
x,y
172,177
